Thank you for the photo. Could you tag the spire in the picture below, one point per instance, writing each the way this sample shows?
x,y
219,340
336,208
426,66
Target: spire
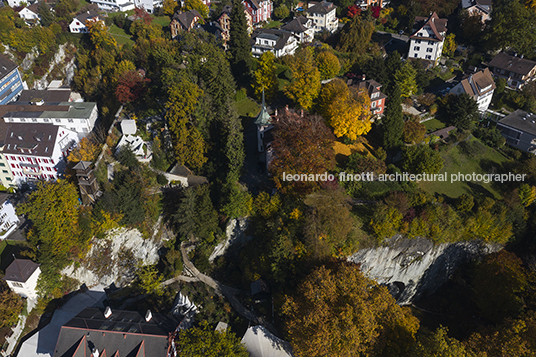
x,y
263,118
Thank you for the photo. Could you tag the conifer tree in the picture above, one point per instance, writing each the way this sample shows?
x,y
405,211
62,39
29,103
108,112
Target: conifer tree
x,y
393,121
239,47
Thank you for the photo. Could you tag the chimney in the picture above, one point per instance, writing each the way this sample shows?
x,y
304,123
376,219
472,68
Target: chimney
x,y
148,316
107,312
363,77
95,353
286,109
276,112
301,113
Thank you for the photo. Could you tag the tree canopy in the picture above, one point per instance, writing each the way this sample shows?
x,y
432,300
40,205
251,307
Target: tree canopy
x,y
305,85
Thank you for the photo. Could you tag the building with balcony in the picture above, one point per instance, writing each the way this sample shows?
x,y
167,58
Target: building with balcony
x,y
10,80
301,28
479,86
261,10
323,16
516,70
279,42
428,38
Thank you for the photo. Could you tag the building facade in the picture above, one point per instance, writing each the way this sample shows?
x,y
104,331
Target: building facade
x,y
516,70
479,86
184,21
279,42
519,130
114,5
78,25
225,22
323,16
8,217
21,277
261,10
301,28
428,38
10,80
377,98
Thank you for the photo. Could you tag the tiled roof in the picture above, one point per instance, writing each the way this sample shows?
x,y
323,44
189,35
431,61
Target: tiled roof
x,y
20,270
436,24
480,80
88,15
296,25
323,7
521,120
280,36
30,139
187,18
513,64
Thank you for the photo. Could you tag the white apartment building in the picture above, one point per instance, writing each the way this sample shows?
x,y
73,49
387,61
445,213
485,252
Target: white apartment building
x,y
114,5
37,151
428,38
8,217
21,277
479,86
323,16
279,42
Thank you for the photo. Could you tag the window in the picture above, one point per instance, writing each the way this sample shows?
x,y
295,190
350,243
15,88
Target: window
x,y
428,57
429,50
416,48
4,171
58,120
379,102
16,284
2,164
415,55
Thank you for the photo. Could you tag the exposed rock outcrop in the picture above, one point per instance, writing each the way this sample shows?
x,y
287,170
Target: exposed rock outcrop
x,y
412,267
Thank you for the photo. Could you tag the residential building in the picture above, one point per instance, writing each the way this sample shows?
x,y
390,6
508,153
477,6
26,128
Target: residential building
x,y
14,3
48,97
225,22
30,14
6,176
519,130
323,16
377,98
135,143
365,4
301,28
279,42
480,8
21,277
261,10
114,5
428,37
94,332
79,117
516,70
148,5
479,86
8,217
260,342
10,80
37,151
184,21
78,25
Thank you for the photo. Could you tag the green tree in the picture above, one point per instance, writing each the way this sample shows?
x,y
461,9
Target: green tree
x,y
420,159
465,203
169,7
461,110
405,79
527,194
204,340
328,64
53,209
11,306
305,85
439,344
281,11
413,132
339,312
45,14
239,47
265,77
149,280
239,203
355,35
393,121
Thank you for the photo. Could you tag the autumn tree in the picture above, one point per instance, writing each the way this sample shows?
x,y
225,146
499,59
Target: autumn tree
x,y
99,35
420,159
439,343
293,135
355,35
328,64
305,85
11,306
86,150
239,47
46,16
130,87
265,77
188,144
196,5
169,7
204,340
149,280
413,132
329,92
53,209
450,45
527,194
350,115
393,121
405,79
338,312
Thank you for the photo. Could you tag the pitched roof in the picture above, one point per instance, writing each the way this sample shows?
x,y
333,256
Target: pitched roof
x,y
281,37
474,84
513,64
31,139
20,270
6,66
186,19
322,7
34,7
436,24
48,96
126,332
82,165
521,120
371,86
88,15
263,118
296,25
260,343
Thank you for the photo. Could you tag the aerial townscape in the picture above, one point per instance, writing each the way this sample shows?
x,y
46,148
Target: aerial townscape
x,y
267,178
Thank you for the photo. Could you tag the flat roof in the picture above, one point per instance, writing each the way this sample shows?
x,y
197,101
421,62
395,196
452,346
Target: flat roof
x,y
521,120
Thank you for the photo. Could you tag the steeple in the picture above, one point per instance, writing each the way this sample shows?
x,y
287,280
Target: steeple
x,y
263,118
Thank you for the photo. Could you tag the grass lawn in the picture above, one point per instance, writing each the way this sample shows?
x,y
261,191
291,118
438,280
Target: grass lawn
x,y
479,161
272,24
161,20
247,108
433,125
120,35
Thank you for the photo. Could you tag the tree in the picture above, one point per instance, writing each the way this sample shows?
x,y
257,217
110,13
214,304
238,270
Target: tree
x,y
328,65
281,11
149,280
439,344
527,194
11,306
196,217
265,77
196,5
350,115
86,150
413,132
239,47
204,340
98,33
385,222
293,135
330,91
188,144
45,14
461,110
169,7
339,312
405,79
130,87
306,84
239,202
450,45
393,121
53,209
420,159
355,35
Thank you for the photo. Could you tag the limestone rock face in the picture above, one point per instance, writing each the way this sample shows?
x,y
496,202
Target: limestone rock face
x,y
412,267
114,259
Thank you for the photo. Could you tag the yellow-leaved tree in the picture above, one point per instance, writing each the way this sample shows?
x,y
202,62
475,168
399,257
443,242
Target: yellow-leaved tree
x,y
99,35
169,7
86,150
328,64
349,115
196,5
265,77
305,85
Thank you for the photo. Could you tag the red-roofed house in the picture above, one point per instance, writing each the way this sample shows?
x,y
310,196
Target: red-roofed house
x,y
428,38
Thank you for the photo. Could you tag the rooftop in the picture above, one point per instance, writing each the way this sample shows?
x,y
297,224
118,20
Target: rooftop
x,y
436,24
20,270
512,63
521,120
47,96
6,66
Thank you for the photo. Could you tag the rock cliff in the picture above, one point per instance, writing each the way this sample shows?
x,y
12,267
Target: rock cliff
x,y
412,267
